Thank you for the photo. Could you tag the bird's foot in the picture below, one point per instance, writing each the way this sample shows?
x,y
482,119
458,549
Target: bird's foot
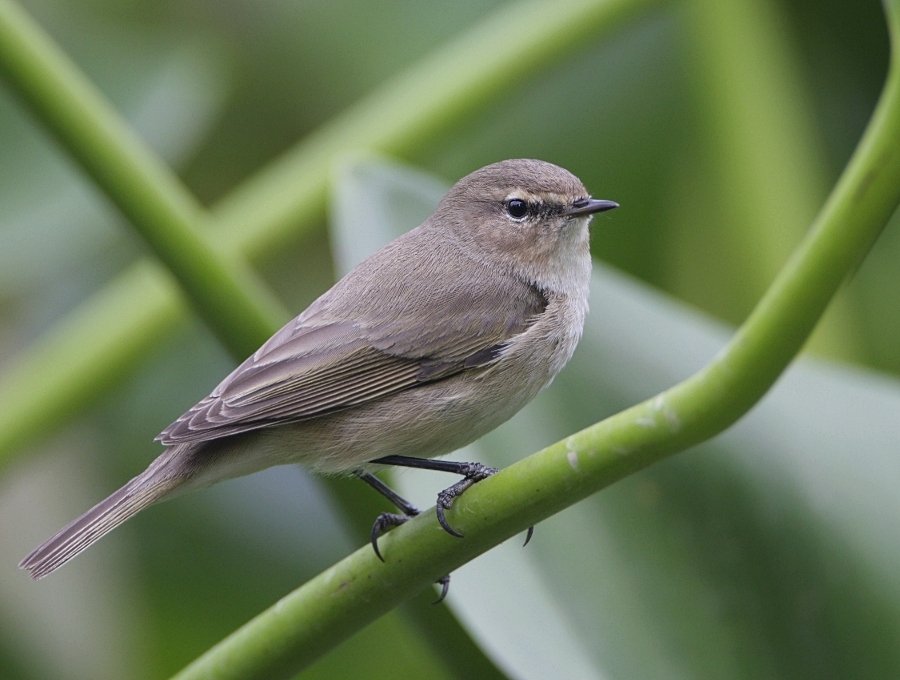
x,y
385,521
472,473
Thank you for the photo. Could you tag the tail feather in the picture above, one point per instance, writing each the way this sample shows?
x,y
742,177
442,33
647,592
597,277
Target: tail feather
x,y
95,524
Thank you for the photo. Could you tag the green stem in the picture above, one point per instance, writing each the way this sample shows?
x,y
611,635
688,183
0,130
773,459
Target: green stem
x,y
355,591
288,199
222,291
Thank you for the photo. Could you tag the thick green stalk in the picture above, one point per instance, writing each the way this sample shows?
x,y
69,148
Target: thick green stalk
x,y
222,291
352,593
288,198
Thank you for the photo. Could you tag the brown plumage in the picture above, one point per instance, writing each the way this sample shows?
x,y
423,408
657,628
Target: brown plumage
x,y
434,340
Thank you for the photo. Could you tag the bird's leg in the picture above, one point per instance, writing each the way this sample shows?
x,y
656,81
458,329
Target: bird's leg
x,y
471,473
391,519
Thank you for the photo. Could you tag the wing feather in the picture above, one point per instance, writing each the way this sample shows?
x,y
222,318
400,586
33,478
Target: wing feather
x,y
320,362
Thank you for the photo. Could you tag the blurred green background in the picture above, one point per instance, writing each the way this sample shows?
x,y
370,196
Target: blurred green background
x,y
718,125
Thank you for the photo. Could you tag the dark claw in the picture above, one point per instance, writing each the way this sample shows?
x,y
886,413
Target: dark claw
x,y
444,582
439,507
528,537
384,521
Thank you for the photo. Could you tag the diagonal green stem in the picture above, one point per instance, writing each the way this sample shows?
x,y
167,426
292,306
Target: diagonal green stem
x,y
352,593
285,200
223,292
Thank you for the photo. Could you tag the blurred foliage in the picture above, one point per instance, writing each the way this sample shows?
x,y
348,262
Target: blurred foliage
x,y
221,88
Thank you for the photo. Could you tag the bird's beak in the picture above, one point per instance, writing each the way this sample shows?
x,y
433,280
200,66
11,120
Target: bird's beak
x,y
589,206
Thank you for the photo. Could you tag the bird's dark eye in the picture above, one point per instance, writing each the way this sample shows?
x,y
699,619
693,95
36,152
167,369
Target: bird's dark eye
x,y
516,208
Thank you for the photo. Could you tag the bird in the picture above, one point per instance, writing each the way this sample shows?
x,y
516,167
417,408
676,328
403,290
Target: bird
x,y
434,340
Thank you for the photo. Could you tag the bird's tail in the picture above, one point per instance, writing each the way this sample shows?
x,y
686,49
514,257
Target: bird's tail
x,y
140,492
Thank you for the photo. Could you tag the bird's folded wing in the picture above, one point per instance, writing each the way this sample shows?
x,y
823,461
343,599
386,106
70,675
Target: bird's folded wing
x,y
315,366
